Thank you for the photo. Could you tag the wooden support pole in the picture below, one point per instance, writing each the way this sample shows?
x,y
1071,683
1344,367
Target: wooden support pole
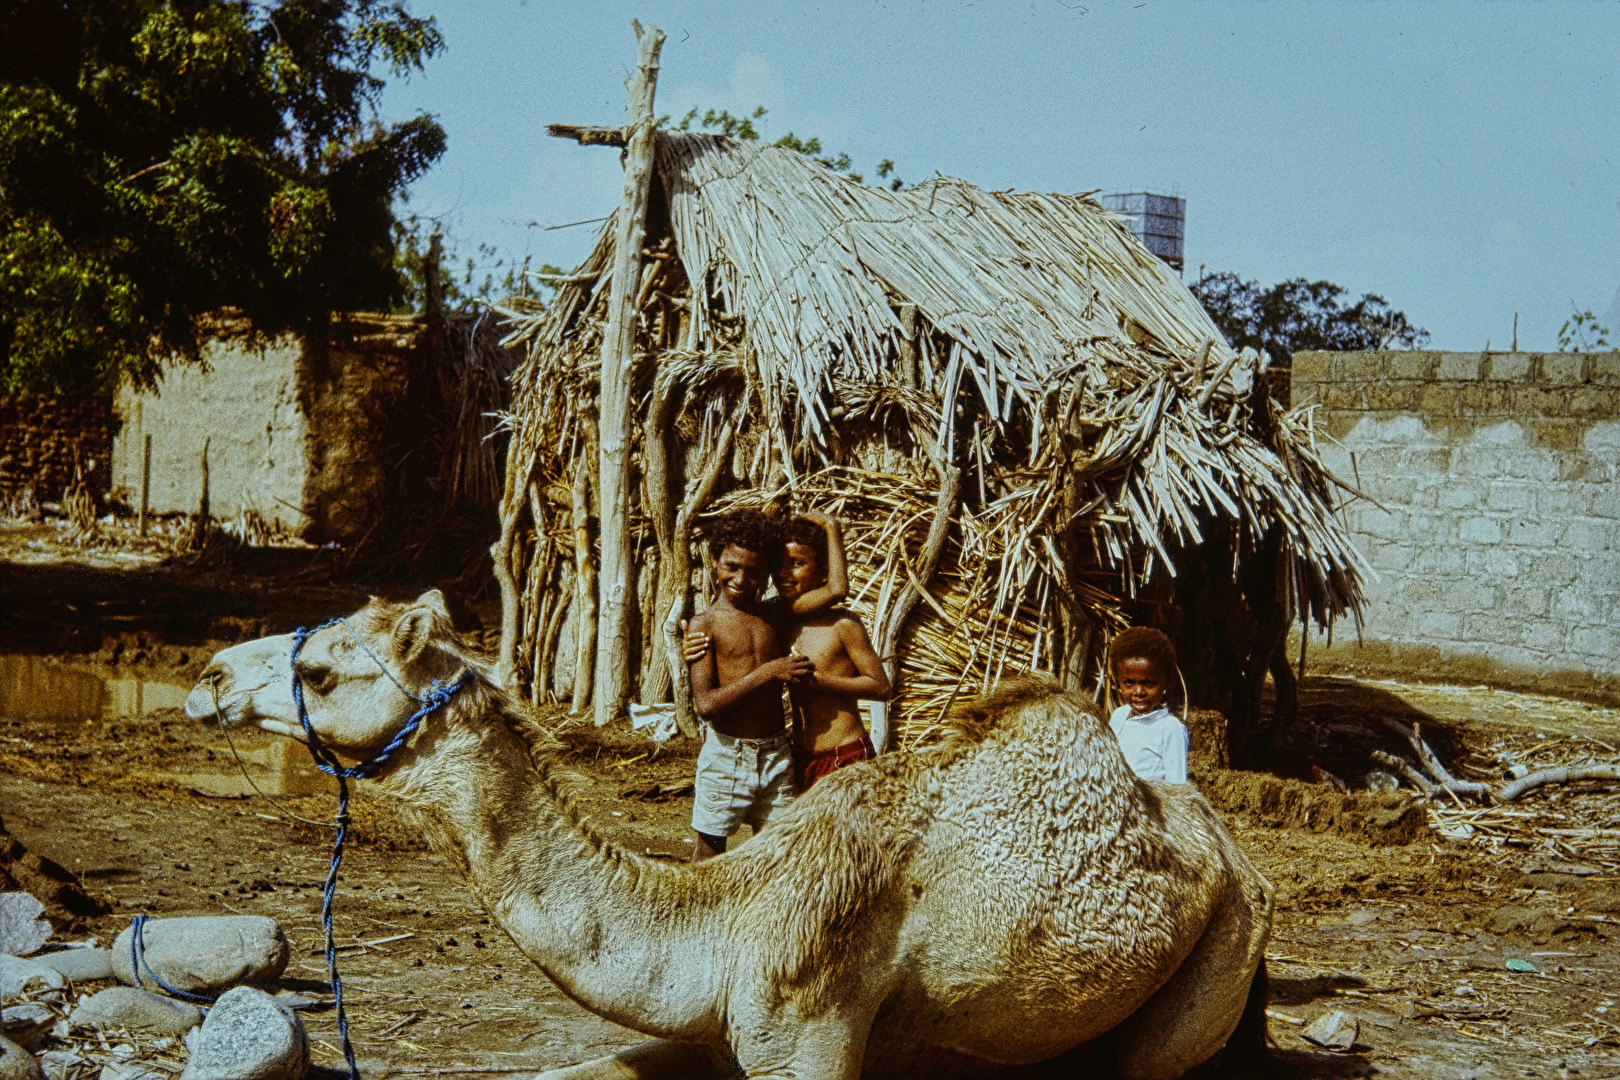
x,y
616,411
909,373
204,512
584,590
146,485
945,506
500,554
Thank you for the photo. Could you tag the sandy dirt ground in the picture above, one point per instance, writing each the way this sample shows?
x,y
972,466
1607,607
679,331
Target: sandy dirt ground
x,y
100,771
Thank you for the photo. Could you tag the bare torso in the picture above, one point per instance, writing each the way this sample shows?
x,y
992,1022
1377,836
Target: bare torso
x,y
825,719
743,642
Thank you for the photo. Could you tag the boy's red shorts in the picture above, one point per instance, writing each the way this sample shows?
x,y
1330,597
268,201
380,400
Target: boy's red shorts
x,y
815,766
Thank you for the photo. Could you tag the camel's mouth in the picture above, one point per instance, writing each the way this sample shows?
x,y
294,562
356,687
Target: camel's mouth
x,y
208,700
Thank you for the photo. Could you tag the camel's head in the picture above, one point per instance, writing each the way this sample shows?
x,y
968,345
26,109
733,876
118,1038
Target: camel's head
x,y
352,703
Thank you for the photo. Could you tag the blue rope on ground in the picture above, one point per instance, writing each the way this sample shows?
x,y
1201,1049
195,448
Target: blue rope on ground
x,y
137,964
437,695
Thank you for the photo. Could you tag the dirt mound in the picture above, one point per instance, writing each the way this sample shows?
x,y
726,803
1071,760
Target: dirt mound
x,y
49,882
1378,817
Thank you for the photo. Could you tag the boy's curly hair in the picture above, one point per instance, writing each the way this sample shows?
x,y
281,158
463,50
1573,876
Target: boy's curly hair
x,y
1142,642
748,529
798,530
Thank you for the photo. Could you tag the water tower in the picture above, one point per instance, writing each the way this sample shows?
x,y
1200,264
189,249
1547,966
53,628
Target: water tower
x,y
1159,221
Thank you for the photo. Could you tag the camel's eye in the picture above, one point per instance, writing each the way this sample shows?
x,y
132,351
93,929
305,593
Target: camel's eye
x,y
317,677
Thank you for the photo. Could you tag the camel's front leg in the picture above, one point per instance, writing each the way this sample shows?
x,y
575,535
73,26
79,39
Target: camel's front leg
x,y
656,1059
821,1048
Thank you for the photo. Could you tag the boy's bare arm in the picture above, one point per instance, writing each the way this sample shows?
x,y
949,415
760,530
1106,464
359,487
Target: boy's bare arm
x,y
870,680
837,586
709,699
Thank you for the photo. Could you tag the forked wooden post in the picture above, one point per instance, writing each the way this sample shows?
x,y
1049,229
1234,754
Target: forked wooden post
x,y
616,410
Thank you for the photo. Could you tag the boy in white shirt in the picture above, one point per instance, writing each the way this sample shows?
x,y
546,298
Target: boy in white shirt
x,y
1154,741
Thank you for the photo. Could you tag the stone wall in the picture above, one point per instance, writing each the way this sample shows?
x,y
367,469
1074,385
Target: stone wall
x,y
1492,515
43,441
299,435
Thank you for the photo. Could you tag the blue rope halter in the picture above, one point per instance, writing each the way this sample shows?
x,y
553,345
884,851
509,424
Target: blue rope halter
x,y
436,696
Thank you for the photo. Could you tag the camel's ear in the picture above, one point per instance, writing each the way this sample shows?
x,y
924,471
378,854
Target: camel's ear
x,y
434,601
412,631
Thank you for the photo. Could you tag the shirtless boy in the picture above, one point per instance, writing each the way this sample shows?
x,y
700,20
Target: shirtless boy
x,y
827,729
744,771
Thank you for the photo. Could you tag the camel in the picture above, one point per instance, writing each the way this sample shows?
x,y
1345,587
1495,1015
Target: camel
x,y
1000,898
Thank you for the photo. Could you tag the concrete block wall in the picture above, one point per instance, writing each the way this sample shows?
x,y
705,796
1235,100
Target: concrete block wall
x,y
1492,515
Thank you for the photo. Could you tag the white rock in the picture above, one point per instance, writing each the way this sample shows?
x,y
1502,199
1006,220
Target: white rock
x,y
23,926
249,1035
205,953
17,1063
65,1065
17,975
1333,1030
21,1023
132,1070
125,1006
80,965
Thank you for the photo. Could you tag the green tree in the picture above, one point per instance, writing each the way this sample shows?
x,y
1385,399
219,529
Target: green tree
x,y
742,127
1297,314
172,172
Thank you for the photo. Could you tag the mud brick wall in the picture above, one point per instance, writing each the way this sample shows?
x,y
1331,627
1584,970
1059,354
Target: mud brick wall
x,y
42,440
297,434
1496,529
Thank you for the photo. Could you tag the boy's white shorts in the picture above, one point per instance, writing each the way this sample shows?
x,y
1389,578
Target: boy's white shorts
x,y
740,780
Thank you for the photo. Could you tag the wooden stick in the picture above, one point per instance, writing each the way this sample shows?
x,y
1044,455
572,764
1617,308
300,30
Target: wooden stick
x,y
950,489
616,412
660,509
500,556
1220,377
1512,790
679,576
586,135
584,591
908,346
146,485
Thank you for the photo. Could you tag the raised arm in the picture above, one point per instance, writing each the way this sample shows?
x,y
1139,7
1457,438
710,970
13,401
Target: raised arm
x,y
837,586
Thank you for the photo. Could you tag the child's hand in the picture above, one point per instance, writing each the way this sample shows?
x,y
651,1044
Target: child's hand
x,y
795,669
820,517
697,643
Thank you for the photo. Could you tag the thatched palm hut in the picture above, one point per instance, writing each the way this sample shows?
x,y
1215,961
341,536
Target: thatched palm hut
x,y
1031,428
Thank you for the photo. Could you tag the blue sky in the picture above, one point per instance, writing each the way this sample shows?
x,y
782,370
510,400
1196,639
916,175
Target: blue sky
x,y
1462,160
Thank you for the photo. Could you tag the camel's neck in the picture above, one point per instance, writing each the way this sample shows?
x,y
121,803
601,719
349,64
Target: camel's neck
x,y
629,938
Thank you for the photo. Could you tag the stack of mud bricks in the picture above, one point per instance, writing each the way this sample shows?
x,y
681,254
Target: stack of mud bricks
x,y
1491,514
43,441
